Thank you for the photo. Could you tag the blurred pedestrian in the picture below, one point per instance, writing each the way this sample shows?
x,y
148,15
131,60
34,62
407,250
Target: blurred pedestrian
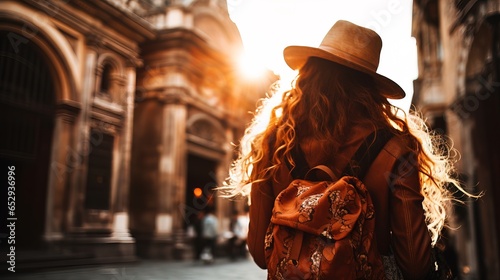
x,y
239,231
209,234
198,240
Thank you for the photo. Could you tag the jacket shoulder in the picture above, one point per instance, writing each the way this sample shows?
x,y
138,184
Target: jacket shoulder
x,y
398,146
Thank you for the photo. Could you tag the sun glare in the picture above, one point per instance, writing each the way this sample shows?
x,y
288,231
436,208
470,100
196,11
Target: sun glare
x,y
251,67
268,26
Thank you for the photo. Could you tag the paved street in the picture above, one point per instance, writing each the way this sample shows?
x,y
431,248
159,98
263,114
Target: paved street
x,y
153,270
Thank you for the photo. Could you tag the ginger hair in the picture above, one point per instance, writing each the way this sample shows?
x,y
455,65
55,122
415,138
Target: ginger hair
x,y
319,103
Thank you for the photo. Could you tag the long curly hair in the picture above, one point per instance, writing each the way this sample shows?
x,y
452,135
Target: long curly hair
x,y
319,103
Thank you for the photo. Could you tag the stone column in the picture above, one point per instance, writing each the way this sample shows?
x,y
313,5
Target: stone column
x,y
224,205
74,214
62,165
120,211
172,169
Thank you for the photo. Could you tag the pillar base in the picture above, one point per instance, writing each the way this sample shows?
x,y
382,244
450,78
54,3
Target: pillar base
x,y
102,248
75,251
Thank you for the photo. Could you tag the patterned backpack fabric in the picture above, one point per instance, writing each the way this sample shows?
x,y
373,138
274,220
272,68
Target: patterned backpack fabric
x,y
324,229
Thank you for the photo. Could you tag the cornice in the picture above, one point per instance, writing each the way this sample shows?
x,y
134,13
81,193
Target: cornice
x,y
128,26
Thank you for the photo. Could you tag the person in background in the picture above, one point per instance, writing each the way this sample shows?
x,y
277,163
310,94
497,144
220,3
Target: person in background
x,y
209,234
198,235
239,230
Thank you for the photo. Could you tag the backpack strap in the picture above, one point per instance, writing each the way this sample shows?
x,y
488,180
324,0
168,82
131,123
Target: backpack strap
x,y
301,167
359,164
325,170
366,153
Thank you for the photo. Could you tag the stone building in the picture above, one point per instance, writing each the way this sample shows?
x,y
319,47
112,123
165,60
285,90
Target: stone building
x,y
458,91
113,112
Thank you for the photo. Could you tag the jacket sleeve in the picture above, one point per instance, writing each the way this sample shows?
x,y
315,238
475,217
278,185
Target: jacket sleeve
x,y
411,241
261,206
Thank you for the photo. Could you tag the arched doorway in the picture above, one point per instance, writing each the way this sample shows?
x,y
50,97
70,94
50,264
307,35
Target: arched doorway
x,y
205,138
200,184
27,104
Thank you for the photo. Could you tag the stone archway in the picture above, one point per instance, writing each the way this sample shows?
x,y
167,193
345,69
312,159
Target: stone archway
x,y
206,138
206,161
52,107
27,114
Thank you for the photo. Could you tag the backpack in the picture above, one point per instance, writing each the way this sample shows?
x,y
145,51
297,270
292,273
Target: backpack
x,y
324,228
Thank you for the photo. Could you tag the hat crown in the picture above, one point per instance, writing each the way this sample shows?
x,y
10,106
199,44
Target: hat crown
x,y
354,43
349,45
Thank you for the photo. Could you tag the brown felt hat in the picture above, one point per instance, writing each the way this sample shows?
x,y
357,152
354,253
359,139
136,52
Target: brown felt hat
x,y
350,45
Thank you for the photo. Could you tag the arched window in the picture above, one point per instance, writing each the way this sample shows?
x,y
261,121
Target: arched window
x,y
106,80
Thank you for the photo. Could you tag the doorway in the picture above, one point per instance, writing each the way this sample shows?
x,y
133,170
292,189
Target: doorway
x,y
200,184
27,105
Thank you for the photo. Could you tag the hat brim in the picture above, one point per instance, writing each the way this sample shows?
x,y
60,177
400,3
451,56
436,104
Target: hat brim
x,y
296,56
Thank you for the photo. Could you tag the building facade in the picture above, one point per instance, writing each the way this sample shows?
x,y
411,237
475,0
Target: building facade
x,y
114,112
458,91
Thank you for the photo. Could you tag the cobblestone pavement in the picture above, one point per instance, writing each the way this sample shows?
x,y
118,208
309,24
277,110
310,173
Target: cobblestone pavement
x,y
221,269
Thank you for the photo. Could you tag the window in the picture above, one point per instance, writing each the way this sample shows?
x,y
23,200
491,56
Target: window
x,y
98,189
106,79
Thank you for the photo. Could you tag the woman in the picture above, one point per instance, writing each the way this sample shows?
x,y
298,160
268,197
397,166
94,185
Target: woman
x,y
336,101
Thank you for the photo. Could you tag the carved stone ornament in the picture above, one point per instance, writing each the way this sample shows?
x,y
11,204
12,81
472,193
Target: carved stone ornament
x,y
205,130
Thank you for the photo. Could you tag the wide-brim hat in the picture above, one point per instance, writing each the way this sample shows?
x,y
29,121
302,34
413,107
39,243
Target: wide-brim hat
x,y
350,45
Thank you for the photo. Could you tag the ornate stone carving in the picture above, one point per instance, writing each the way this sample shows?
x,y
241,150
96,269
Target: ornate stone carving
x,y
205,130
104,127
94,41
68,110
